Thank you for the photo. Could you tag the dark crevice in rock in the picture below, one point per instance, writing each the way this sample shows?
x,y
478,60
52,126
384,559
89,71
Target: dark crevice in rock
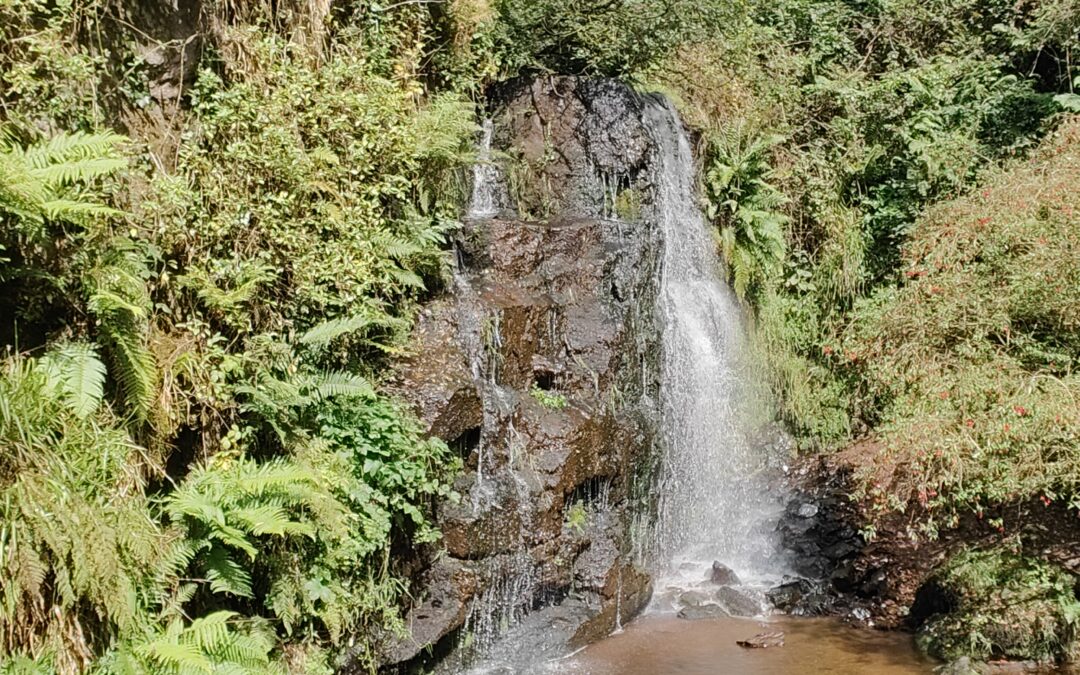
x,y
466,444
591,492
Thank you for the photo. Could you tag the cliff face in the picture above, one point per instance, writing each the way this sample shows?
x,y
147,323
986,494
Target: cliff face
x,y
539,368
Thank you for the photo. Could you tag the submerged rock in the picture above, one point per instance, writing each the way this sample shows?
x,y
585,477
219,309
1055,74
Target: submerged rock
x,y
801,597
705,611
763,641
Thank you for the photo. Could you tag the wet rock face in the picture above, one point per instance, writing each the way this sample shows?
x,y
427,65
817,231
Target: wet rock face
x,y
538,368
818,530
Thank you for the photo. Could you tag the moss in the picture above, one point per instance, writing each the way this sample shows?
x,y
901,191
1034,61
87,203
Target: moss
x,y
628,205
996,603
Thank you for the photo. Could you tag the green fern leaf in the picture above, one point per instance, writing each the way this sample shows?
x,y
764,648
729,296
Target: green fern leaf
x,y
182,657
210,632
82,376
226,575
339,383
326,332
271,519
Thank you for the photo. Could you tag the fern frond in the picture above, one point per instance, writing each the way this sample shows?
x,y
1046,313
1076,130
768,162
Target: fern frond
x,y
407,278
120,301
37,182
210,632
73,210
175,656
226,575
78,170
71,149
271,519
78,375
340,383
324,333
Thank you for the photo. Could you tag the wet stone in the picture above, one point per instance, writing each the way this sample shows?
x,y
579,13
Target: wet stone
x,y
736,602
708,611
693,598
723,575
801,597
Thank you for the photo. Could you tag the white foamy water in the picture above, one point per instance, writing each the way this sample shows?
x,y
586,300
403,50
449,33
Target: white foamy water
x,y
485,190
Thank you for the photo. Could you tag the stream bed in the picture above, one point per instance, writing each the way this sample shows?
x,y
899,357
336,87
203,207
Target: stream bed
x,y
656,643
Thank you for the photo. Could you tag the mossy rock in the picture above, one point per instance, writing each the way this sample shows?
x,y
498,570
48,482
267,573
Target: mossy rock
x,y
998,604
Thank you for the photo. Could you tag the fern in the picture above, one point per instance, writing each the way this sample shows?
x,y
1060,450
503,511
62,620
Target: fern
x,y
322,334
79,557
226,288
338,383
37,181
119,300
75,371
225,574
746,207
220,642
229,509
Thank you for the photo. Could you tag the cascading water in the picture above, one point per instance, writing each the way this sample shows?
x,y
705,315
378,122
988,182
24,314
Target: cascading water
x,y
713,503
513,581
485,190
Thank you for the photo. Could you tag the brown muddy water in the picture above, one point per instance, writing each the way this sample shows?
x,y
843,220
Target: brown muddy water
x,y
665,645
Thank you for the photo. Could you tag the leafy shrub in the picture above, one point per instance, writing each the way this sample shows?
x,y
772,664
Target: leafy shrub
x,y
323,180
1000,604
80,555
257,265
971,362
747,207
598,37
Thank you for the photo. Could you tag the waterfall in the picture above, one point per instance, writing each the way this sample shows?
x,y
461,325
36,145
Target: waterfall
x,y
713,501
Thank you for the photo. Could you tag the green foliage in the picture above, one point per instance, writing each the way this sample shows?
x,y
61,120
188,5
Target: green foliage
x,y
118,298
336,196
598,37
75,373
47,182
552,400
971,361
79,553
236,283
747,207
577,517
225,508
1003,605
220,642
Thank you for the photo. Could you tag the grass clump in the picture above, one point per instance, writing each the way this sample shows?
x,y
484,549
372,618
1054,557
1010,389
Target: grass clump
x,y
1000,604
